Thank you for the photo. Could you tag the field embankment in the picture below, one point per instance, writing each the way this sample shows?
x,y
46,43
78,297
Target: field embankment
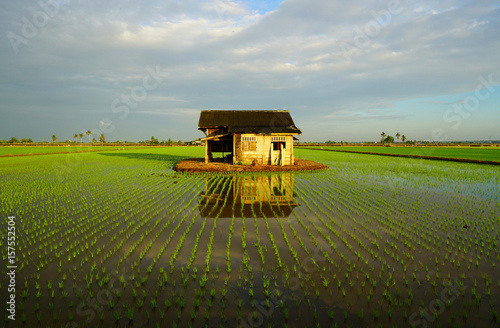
x,y
455,154
38,150
193,165
10,151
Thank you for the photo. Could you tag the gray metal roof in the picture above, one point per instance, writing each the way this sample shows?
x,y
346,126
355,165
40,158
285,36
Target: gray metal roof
x,y
248,121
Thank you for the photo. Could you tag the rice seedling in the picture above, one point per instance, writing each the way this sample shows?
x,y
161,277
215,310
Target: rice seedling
x,y
351,225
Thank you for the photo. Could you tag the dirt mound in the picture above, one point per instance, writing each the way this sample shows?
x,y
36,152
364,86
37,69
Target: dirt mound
x,y
199,165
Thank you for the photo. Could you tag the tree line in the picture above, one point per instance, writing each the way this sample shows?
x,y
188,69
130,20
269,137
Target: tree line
x,y
384,138
155,141
14,140
79,137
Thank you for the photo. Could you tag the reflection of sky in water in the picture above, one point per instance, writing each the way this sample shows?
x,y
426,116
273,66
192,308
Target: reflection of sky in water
x,y
423,176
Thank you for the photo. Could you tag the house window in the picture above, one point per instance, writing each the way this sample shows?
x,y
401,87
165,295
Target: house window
x,y
249,143
283,139
277,145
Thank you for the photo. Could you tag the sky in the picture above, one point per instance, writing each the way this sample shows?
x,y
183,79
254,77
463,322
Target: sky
x,y
346,70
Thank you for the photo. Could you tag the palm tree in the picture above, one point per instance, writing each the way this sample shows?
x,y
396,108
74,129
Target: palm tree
x,y
403,138
397,135
382,136
101,138
54,138
89,133
75,136
81,137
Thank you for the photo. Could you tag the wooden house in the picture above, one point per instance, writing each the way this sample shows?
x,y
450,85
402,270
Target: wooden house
x,y
261,136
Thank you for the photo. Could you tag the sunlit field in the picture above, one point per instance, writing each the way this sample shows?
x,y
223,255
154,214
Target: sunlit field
x,y
26,150
477,153
118,238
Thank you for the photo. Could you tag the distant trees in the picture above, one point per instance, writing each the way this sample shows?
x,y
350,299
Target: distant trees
x,y
80,135
13,140
89,133
382,136
92,139
388,139
169,142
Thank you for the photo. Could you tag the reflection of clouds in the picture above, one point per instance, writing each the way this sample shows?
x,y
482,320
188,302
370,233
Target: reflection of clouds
x,y
269,195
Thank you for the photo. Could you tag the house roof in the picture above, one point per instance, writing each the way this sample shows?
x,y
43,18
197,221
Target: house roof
x,y
249,121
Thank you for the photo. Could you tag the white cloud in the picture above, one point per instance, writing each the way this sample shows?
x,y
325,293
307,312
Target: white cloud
x,y
180,112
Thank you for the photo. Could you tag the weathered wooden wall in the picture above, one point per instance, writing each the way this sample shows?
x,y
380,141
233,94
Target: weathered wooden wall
x,y
237,147
264,153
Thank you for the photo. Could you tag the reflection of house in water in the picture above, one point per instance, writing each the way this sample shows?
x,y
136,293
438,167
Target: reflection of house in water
x,y
269,195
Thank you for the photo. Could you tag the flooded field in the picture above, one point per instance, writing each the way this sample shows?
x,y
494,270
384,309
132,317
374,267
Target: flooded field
x,y
119,239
